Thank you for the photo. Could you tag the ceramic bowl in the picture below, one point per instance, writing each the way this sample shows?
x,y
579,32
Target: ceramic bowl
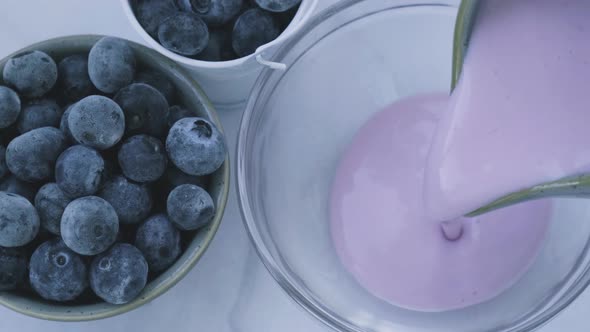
x,y
192,96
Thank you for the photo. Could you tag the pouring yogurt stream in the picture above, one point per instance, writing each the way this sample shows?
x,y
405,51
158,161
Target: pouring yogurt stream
x,y
517,117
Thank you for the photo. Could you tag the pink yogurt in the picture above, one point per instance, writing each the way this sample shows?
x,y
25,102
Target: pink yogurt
x,y
519,116
385,240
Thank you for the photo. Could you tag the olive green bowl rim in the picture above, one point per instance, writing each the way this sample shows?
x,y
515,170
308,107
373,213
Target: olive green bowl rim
x,y
185,262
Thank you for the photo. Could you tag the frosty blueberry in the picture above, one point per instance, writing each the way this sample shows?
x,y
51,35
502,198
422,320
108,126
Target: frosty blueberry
x,y
190,207
96,121
142,158
111,64
39,113
145,109
73,78
184,33
10,106
31,156
131,201
159,241
119,275
56,272
253,29
63,124
196,146
150,13
79,171
89,225
50,203
19,221
32,73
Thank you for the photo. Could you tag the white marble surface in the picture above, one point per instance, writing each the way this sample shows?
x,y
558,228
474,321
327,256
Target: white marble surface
x,y
229,290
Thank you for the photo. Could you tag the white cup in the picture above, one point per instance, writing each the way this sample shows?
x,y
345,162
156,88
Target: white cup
x,y
228,83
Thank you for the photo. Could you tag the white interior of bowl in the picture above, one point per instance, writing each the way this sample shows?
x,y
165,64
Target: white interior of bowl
x,y
352,61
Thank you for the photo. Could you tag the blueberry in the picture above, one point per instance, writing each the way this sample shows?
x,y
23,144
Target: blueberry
x,y
190,207
73,80
196,146
119,275
150,13
145,109
131,201
63,124
96,121
277,5
19,221
184,33
9,107
159,241
50,203
111,64
39,113
253,29
143,158
56,272
213,12
3,167
219,47
89,225
158,81
13,268
32,73
79,171
31,156
11,184
177,112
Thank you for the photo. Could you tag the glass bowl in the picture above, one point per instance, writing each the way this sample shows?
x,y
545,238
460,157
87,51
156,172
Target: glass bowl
x,y
349,62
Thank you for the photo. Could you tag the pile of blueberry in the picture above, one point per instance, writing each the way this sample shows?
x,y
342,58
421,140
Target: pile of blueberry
x,y
99,198
214,30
